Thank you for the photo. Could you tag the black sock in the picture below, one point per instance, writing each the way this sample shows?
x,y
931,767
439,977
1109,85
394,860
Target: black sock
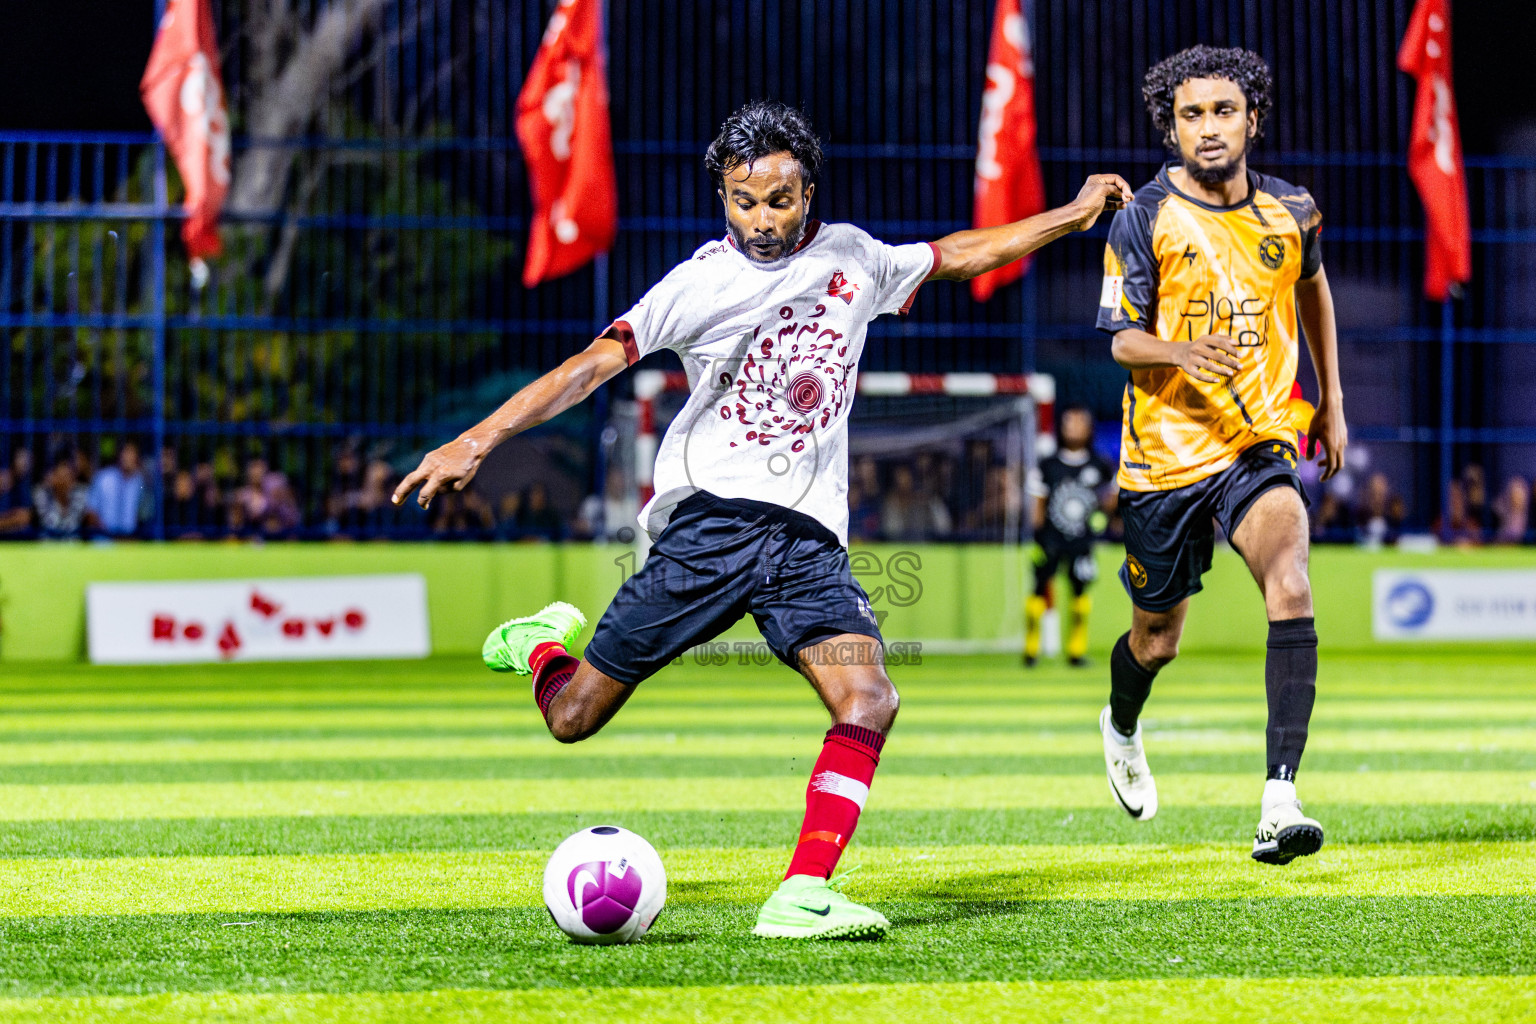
x,y
1129,686
1290,683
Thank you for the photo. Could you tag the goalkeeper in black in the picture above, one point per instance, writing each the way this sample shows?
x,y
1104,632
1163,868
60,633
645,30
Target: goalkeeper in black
x,y
1071,491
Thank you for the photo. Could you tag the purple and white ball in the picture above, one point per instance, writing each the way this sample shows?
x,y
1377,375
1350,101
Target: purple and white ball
x,y
604,885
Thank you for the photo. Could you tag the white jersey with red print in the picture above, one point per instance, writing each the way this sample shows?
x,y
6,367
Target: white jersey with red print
x,y
771,351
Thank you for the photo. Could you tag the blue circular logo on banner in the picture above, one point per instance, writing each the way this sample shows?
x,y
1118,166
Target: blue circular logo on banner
x,y
1410,604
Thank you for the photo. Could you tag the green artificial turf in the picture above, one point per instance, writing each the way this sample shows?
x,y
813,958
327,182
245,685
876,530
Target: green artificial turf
x,y
932,941
651,766
389,822
1348,823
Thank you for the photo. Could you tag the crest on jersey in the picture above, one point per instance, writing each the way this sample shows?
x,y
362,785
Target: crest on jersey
x,y
841,287
1272,251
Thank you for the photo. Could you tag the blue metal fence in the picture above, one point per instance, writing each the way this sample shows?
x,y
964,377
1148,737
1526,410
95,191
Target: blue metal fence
x,y
374,309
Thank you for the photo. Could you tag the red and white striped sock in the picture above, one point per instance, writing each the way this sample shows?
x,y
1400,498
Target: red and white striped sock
x,y
836,794
553,667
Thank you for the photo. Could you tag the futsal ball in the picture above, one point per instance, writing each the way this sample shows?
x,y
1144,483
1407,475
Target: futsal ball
x,y
604,885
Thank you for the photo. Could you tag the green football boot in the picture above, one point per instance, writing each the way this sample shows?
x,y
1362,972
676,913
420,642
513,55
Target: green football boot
x,y
511,644
810,907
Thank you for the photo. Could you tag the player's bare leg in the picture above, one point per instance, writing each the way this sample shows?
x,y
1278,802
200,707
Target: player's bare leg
x,y
858,694
585,704
1154,642
1273,540
848,673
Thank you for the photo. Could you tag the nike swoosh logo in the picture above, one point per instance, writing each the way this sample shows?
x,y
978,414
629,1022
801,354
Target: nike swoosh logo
x,y
823,912
1134,812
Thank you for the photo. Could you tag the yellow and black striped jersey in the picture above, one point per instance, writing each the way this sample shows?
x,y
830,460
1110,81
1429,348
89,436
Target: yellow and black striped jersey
x,y
1181,269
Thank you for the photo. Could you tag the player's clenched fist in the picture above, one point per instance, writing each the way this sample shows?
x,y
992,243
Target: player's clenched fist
x,y
1209,358
1099,193
453,465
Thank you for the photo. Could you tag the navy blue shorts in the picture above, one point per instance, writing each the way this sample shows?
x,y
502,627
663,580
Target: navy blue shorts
x,y
717,560
1169,537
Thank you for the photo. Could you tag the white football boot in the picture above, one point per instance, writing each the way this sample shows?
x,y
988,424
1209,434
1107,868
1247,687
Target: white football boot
x,y
1284,832
1125,764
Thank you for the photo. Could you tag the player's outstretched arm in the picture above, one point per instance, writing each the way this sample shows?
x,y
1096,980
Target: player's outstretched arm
x,y
1314,307
967,254
454,464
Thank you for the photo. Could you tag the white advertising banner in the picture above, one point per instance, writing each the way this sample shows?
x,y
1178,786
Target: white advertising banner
x,y
304,618
1454,604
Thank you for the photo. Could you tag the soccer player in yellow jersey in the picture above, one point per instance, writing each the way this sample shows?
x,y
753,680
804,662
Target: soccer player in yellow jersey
x,y
1206,276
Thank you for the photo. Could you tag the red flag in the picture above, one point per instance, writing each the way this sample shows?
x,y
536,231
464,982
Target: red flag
x,y
562,123
182,93
1009,185
1434,150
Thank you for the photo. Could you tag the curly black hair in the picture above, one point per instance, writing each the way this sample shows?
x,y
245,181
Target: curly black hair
x,y
1244,67
758,129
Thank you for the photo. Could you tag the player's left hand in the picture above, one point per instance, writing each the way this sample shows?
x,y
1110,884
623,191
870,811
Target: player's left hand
x,y
1327,437
1099,193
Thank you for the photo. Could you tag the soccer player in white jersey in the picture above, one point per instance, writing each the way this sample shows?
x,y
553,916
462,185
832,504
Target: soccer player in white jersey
x,y
750,513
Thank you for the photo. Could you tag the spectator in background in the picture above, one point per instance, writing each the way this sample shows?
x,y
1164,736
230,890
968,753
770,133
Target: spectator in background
x,y
235,522
15,506
864,499
935,473
267,504
1379,519
970,484
1458,528
62,503
538,517
341,501
601,517
183,510
1331,520
21,470
1001,504
506,516
1479,510
249,502
935,478
908,514
206,483
462,514
118,494
85,469
282,515
1514,511
372,508
167,467
858,508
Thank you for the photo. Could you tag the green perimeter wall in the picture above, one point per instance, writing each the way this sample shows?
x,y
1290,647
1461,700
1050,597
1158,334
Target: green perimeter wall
x,y
941,594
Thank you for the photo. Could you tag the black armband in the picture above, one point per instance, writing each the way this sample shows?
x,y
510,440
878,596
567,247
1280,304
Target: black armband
x,y
1311,251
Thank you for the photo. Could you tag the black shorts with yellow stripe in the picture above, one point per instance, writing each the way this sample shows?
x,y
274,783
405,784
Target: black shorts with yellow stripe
x,y
1170,536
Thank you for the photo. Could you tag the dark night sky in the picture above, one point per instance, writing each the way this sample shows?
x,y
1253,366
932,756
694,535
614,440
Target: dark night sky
x,y
75,65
